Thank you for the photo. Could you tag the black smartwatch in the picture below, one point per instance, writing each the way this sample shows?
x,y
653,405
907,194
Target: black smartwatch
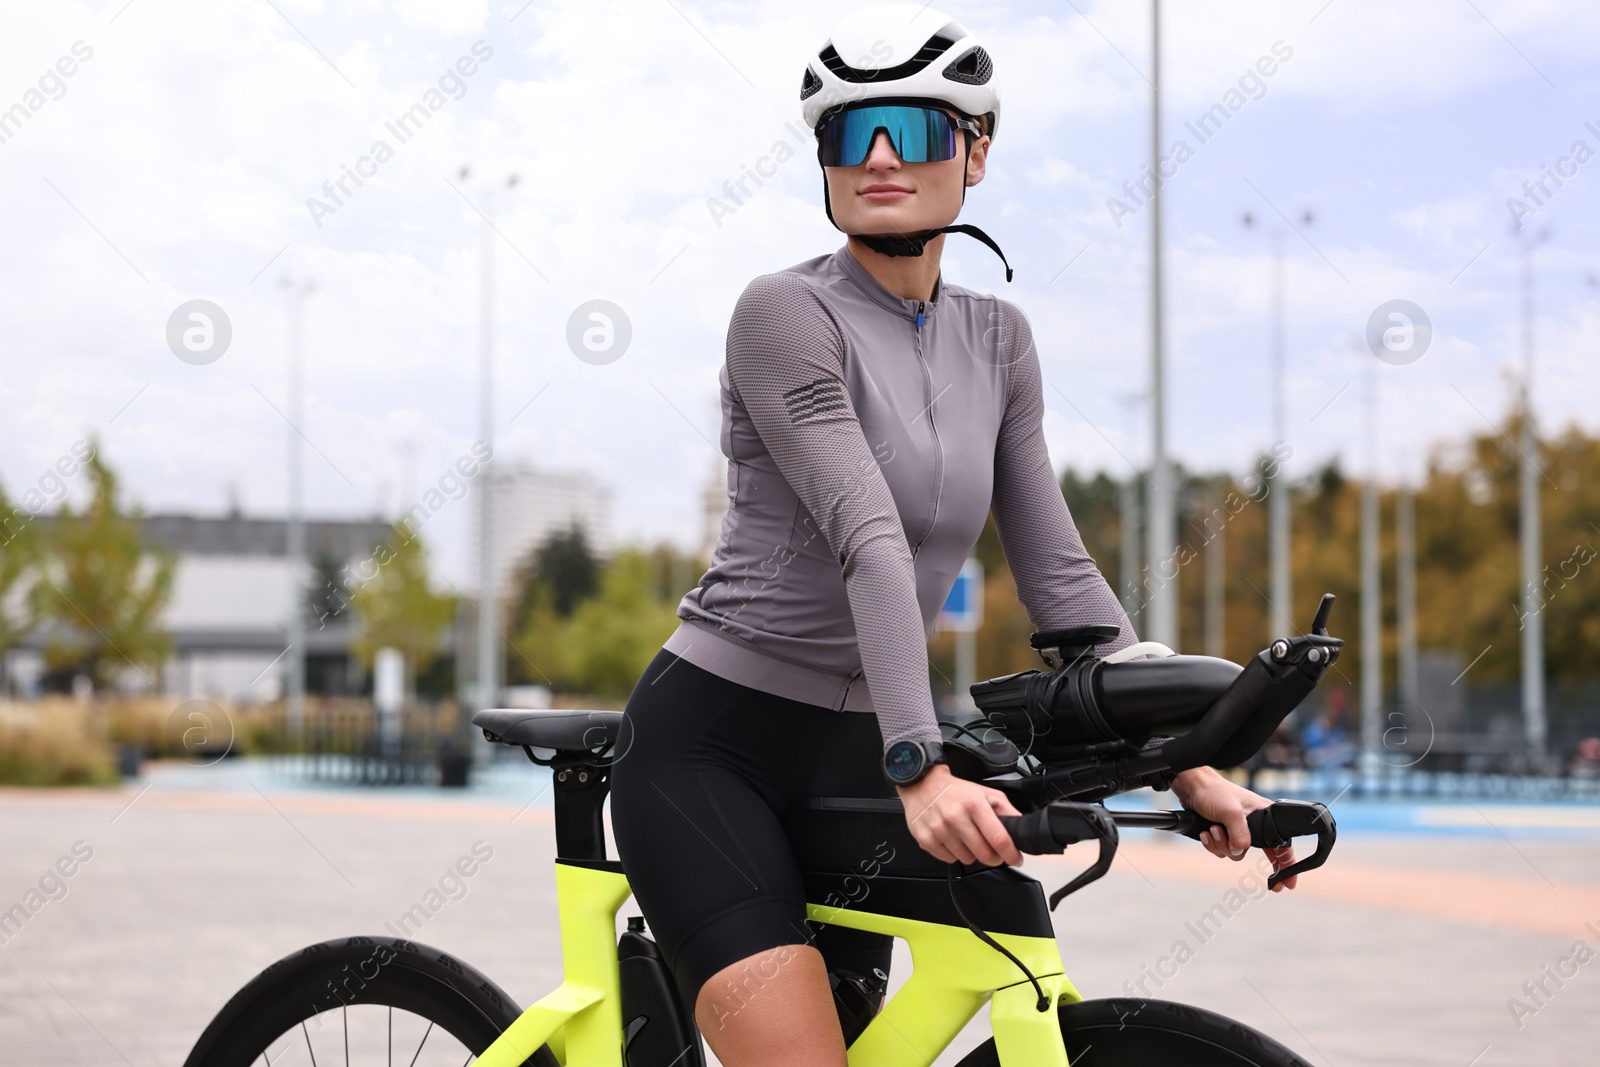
x,y
907,761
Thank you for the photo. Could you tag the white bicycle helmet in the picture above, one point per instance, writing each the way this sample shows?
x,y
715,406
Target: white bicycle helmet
x,y
901,50
908,54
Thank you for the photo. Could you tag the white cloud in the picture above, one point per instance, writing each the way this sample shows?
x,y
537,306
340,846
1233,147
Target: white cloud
x,y
193,137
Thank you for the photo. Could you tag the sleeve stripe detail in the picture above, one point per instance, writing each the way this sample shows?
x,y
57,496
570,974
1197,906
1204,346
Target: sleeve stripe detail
x,y
814,398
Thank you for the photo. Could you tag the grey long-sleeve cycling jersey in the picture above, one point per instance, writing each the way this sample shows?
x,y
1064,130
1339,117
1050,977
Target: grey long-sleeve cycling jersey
x,y
868,436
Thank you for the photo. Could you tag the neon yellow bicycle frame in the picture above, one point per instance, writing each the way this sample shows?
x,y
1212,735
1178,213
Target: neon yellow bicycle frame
x,y
953,973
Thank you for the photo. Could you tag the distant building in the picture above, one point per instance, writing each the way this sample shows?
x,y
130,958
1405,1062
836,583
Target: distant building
x,y
531,502
713,506
232,593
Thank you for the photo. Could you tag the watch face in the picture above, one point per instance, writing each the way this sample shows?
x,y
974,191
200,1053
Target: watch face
x,y
903,762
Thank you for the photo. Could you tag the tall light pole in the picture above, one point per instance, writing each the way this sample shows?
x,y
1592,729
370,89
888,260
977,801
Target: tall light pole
x,y
1371,615
488,683
1278,512
1405,523
1162,526
1128,494
1216,593
1533,696
295,547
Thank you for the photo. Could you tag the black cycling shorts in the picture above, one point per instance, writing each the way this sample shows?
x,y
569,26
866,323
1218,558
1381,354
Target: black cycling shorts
x,y
708,773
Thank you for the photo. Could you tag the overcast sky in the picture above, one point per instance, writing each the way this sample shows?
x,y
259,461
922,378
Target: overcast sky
x,y
177,160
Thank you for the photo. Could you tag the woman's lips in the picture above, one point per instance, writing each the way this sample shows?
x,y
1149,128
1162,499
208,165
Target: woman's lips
x,y
883,193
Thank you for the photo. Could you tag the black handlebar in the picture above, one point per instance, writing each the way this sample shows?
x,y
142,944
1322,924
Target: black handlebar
x,y
1050,829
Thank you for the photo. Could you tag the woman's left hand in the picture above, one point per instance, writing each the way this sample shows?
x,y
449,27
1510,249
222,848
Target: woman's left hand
x,y
1208,794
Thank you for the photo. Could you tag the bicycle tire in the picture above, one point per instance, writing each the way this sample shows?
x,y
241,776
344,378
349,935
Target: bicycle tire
x,y
383,971
1130,1032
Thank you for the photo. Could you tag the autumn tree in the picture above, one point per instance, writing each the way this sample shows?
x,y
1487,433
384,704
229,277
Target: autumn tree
x,y
102,589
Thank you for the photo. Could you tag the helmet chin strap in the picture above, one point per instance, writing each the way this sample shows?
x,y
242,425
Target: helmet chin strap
x,y
912,244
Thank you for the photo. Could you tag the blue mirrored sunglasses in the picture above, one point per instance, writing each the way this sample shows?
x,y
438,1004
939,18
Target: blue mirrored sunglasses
x,y
918,134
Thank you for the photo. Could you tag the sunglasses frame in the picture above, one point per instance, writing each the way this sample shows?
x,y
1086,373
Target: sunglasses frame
x,y
965,125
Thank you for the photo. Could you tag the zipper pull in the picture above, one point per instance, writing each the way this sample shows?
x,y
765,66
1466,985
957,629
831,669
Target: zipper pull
x,y
919,314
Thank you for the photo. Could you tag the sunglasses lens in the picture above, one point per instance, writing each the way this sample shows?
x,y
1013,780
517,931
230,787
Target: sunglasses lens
x,y
918,134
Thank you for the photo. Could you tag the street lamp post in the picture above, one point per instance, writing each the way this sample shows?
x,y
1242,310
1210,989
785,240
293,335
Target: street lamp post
x,y
488,669
1371,589
1405,523
295,546
1278,512
1162,526
1533,692
1128,501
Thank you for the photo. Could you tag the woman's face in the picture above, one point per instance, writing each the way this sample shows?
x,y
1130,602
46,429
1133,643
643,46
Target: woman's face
x,y
882,195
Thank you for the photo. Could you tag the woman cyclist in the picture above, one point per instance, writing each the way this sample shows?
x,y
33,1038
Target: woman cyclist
x,y
873,417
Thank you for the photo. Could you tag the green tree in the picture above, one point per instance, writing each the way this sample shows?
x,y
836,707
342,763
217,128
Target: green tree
x,y
557,575
19,557
614,635
102,587
324,601
399,608
565,567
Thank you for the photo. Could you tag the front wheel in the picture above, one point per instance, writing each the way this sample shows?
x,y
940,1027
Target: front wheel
x,y
361,1000
1153,1033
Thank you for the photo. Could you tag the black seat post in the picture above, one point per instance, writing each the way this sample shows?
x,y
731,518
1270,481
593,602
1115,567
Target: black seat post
x,y
580,794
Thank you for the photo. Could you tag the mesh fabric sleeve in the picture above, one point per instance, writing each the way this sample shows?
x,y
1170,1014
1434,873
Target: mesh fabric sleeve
x,y
1057,580
785,365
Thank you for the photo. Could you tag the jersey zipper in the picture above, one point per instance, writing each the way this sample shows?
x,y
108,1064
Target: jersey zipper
x,y
933,425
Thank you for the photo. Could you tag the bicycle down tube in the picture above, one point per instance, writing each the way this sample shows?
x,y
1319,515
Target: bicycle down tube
x,y
952,974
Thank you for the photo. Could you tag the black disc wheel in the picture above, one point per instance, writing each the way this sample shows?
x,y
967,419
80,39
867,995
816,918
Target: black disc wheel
x,y
1153,1033
360,1001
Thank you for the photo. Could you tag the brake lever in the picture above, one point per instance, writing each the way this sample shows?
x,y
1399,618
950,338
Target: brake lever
x,y
1050,829
1276,827
1285,820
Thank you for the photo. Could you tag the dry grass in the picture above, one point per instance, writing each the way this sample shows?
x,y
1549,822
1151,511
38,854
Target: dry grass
x,y
55,742
59,741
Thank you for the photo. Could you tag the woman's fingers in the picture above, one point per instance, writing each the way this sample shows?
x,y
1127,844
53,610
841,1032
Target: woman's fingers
x,y
1281,858
961,824
1215,841
949,839
969,825
999,837
1238,836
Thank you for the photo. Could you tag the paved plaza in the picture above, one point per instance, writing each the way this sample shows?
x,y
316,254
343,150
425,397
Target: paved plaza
x,y
1410,948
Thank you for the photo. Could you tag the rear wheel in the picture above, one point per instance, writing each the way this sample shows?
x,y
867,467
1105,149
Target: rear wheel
x,y
1153,1033
361,1000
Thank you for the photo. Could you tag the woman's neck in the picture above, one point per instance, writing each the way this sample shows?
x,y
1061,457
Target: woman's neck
x,y
908,277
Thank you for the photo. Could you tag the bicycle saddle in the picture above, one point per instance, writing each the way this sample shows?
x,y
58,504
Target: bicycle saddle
x,y
560,730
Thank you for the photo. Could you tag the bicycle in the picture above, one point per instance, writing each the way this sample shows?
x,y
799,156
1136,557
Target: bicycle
x,y
1057,742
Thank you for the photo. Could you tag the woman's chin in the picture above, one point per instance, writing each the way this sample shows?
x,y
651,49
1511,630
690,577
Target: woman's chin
x,y
886,225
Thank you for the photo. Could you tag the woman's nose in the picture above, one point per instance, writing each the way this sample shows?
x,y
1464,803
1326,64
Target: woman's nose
x,y
882,155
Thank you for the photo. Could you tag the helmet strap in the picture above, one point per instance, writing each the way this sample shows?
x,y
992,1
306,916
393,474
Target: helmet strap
x,y
912,244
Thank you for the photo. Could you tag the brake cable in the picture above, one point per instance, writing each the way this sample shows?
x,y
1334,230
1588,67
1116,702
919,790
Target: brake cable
x,y
950,880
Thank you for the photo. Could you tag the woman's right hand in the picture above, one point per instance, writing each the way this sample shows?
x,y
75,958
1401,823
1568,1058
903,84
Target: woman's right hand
x,y
958,821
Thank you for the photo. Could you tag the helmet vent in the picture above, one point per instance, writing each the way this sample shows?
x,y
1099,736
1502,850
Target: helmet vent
x,y
972,67
809,84
935,47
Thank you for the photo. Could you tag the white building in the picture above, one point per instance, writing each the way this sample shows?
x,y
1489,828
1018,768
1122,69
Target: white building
x,y
232,591
529,503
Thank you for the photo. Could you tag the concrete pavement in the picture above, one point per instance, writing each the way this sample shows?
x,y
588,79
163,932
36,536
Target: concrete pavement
x,y
1407,949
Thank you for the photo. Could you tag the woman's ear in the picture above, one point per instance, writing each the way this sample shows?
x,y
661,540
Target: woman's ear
x,y
977,160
